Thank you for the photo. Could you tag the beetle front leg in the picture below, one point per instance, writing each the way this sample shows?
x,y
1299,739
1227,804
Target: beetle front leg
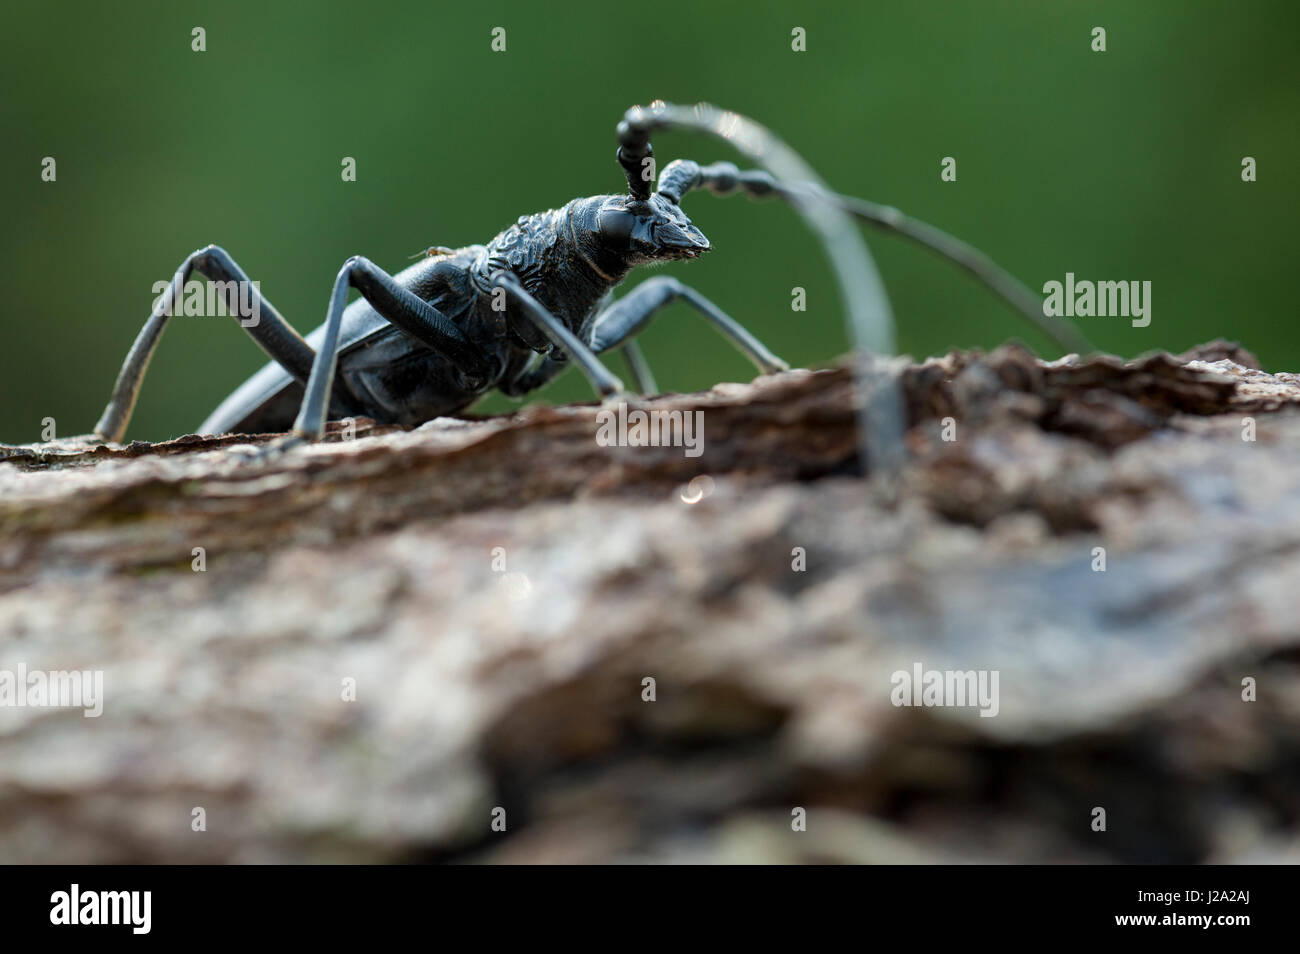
x,y
602,380
628,316
401,307
723,178
550,368
639,368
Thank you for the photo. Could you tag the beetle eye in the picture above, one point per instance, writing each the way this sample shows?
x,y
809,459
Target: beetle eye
x,y
616,226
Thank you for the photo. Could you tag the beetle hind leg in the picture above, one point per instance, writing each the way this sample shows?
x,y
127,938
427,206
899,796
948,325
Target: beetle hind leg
x,y
266,326
402,308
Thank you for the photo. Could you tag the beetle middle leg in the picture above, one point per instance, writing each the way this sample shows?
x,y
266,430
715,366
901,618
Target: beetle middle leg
x,y
628,316
399,306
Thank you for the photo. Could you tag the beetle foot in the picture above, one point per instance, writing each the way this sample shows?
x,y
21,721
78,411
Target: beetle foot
x,y
275,449
615,398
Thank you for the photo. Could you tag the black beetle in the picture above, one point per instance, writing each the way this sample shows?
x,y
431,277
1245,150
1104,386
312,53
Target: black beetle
x,y
509,315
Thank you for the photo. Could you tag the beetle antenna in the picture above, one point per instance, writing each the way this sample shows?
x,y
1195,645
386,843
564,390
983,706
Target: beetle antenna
x,y
862,290
636,155
723,178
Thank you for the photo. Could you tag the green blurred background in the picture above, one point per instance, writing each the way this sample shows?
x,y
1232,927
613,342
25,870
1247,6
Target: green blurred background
x,y
1117,165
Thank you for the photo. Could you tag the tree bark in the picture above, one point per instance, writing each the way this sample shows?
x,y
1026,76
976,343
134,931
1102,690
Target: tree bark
x,y
398,644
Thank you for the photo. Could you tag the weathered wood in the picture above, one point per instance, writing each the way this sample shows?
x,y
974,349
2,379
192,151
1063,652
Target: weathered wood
x,y
520,684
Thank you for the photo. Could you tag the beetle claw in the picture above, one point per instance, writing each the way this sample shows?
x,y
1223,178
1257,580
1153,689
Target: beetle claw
x,y
276,448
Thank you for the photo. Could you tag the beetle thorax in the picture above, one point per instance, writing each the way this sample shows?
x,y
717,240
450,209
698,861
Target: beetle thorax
x,y
555,261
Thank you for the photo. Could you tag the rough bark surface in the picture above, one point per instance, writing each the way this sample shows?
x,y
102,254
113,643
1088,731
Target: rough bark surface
x,y
513,678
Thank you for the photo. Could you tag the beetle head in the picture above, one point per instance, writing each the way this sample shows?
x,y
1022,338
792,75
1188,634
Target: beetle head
x,y
641,231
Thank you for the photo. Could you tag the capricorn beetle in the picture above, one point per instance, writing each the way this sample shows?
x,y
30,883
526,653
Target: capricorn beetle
x,y
510,314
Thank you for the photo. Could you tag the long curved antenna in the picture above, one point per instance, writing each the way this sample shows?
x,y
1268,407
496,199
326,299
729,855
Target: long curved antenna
x,y
723,178
861,288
